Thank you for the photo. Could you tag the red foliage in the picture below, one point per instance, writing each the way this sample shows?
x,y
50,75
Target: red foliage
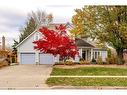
x,y
56,43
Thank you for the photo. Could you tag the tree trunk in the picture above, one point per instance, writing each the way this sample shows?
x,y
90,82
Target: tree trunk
x,y
120,56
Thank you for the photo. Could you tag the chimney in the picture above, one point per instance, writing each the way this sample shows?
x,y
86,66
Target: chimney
x,y
3,43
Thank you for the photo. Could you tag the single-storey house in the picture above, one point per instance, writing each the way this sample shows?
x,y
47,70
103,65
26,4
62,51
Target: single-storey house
x,y
28,55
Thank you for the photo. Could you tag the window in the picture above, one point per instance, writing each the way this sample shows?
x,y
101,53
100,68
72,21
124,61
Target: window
x,y
95,55
37,36
98,53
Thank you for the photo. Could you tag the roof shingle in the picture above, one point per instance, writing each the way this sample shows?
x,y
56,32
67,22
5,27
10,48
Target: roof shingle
x,y
80,42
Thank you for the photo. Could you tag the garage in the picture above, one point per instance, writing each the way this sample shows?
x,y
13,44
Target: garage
x,y
27,58
46,59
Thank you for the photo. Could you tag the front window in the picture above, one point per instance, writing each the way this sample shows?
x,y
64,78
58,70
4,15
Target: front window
x,y
37,36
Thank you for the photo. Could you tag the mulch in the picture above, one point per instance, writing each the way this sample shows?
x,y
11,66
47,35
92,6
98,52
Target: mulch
x,y
90,65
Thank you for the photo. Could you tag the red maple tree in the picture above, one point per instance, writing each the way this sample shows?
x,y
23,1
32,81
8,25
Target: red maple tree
x,y
56,42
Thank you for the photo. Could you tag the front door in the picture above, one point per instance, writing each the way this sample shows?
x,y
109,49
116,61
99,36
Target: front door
x,y
84,55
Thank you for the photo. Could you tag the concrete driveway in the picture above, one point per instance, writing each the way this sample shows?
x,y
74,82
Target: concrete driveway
x,y
24,76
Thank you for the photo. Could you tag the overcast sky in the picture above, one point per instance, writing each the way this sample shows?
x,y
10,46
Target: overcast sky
x,y
13,13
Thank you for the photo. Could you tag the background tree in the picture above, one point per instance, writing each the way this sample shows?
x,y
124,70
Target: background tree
x,y
104,23
56,42
41,18
14,46
34,21
27,29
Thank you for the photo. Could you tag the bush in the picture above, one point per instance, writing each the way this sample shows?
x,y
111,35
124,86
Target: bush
x,y
3,63
81,59
69,62
93,61
13,60
120,61
84,62
112,60
99,60
76,62
108,61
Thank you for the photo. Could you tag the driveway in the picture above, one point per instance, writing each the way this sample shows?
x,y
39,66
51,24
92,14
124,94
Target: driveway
x,y
24,76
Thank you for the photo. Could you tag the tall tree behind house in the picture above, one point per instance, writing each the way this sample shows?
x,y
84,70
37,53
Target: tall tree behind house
x,y
35,19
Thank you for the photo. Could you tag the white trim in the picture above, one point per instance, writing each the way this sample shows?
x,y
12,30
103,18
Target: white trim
x,y
36,31
26,38
84,47
91,54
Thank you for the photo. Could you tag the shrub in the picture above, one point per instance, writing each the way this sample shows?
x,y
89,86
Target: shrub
x,y
81,59
13,59
69,62
99,60
76,62
112,60
84,62
108,61
120,61
3,63
93,61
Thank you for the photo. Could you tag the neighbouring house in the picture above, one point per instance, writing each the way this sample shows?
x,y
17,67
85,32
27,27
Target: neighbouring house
x,y
88,51
28,55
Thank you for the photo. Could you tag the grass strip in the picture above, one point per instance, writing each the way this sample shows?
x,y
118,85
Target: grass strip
x,y
66,81
90,71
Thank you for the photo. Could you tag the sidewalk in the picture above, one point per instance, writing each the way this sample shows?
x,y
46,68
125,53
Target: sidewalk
x,y
89,87
90,65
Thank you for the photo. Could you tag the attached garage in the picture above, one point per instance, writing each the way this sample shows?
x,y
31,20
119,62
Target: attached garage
x,y
46,59
28,55
27,58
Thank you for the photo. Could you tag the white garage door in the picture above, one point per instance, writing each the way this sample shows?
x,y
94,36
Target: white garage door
x,y
46,59
27,58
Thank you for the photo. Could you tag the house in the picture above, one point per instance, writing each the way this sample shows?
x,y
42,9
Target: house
x,y
88,51
28,55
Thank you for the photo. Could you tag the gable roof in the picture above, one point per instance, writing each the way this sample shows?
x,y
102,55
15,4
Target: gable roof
x,y
26,38
66,24
83,43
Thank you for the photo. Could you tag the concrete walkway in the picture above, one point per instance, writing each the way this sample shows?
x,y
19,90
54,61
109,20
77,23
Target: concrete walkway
x,y
91,65
24,76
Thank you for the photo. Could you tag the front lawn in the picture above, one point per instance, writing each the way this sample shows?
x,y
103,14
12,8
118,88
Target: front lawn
x,y
53,81
90,71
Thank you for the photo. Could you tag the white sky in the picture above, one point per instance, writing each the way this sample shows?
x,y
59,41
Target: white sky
x,y
13,13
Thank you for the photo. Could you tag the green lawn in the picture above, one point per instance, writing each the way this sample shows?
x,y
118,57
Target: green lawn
x,y
87,81
90,71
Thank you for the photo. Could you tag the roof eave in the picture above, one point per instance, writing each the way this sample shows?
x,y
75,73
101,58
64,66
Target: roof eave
x,y
26,38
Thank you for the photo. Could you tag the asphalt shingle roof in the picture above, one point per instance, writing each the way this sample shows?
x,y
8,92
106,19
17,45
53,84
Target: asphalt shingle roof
x,y
80,42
